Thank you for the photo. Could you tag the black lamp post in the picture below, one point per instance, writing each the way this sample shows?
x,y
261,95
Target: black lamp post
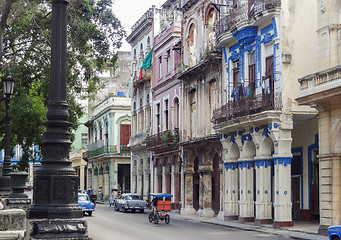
x,y
55,213
7,88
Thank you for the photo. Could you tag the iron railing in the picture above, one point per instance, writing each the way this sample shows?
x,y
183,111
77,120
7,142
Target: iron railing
x,y
110,149
169,137
247,106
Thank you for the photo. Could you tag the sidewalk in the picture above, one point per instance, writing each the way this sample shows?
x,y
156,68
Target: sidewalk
x,y
300,230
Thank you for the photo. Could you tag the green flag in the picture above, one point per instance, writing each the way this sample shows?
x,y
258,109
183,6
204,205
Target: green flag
x,y
147,60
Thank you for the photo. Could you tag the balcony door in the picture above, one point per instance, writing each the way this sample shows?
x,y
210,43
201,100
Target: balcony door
x,y
124,134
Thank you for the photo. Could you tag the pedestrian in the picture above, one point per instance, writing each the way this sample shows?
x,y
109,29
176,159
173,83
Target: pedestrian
x,y
100,193
1,205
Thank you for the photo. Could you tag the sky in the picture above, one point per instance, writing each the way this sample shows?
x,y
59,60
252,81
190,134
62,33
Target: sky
x,y
130,11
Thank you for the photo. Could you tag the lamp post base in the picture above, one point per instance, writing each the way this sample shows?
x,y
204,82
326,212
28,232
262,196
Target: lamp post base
x,y
61,229
5,189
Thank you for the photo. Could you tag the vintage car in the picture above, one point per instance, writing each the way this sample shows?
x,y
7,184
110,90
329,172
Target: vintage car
x,y
334,232
85,203
131,202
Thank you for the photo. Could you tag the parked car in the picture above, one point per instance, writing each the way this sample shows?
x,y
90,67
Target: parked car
x,y
334,232
131,202
92,195
85,203
28,187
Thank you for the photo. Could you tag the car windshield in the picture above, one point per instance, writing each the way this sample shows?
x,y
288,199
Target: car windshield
x,y
82,198
133,197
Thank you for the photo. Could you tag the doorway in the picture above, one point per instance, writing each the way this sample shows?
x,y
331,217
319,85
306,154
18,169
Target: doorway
x,y
196,183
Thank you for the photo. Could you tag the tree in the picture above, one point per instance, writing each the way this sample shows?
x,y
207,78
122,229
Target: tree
x,y
94,35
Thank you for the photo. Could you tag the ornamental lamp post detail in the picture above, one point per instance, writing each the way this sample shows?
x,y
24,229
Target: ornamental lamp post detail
x,y
8,89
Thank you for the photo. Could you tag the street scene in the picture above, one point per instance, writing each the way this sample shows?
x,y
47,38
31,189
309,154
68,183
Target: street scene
x,y
108,224
185,119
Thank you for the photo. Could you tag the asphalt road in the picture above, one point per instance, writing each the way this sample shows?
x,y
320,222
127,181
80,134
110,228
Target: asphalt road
x,y
107,224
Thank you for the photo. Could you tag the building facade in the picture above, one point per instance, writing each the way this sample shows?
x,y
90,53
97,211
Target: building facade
x,y
200,77
321,90
269,145
164,139
141,41
108,155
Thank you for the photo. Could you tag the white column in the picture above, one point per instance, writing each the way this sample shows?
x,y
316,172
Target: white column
x,y
231,200
263,191
282,194
246,203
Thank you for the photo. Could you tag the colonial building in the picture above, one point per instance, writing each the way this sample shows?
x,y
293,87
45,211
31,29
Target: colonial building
x,y
200,77
108,155
322,90
164,138
109,125
269,144
141,41
78,150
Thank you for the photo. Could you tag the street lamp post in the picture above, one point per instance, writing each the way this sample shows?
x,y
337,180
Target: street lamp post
x,y
7,88
55,213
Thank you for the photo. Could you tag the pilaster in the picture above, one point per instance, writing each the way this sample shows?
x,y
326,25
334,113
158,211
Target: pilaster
x,y
231,202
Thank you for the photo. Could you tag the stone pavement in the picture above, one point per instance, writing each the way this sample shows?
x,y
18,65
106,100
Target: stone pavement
x,y
300,230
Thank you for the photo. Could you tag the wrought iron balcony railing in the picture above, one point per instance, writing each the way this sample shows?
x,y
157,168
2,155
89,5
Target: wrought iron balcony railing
x,y
167,138
247,106
110,149
244,12
143,75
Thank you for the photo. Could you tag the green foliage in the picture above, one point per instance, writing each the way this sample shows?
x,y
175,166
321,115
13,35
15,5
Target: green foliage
x,y
94,35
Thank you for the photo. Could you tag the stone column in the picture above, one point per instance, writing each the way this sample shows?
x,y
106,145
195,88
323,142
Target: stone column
x,y
106,187
231,201
330,186
188,209
163,177
333,45
82,177
139,177
146,189
263,191
246,204
282,194
205,194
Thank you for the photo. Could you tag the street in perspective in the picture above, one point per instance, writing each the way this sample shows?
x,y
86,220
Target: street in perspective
x,y
108,224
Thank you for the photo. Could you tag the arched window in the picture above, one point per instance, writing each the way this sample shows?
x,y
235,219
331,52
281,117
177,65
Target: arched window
x,y
211,21
191,42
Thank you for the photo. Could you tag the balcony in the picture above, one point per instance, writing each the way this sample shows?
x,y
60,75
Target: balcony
x,y
321,87
247,106
164,141
110,149
245,13
144,76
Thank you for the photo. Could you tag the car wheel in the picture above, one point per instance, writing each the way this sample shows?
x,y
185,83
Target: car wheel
x,y
116,208
142,210
124,210
150,217
90,213
156,219
167,219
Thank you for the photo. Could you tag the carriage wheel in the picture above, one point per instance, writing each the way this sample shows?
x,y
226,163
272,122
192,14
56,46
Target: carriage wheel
x,y
150,217
156,219
167,219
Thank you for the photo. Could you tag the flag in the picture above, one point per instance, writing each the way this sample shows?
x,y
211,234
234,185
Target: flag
x,y
147,60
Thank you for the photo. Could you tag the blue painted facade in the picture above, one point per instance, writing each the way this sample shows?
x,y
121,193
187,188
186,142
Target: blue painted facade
x,y
17,154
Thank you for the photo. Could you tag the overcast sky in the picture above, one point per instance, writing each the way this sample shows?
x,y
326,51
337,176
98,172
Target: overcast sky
x,y
129,11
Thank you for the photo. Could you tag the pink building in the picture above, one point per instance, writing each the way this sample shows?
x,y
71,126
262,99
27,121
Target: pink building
x,y
163,142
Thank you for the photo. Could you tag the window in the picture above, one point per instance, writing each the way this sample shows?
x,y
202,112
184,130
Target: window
x,y
166,114
84,139
169,62
158,117
252,74
235,70
160,67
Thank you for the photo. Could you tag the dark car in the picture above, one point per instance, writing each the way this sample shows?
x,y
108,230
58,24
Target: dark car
x,y
85,203
334,232
130,202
